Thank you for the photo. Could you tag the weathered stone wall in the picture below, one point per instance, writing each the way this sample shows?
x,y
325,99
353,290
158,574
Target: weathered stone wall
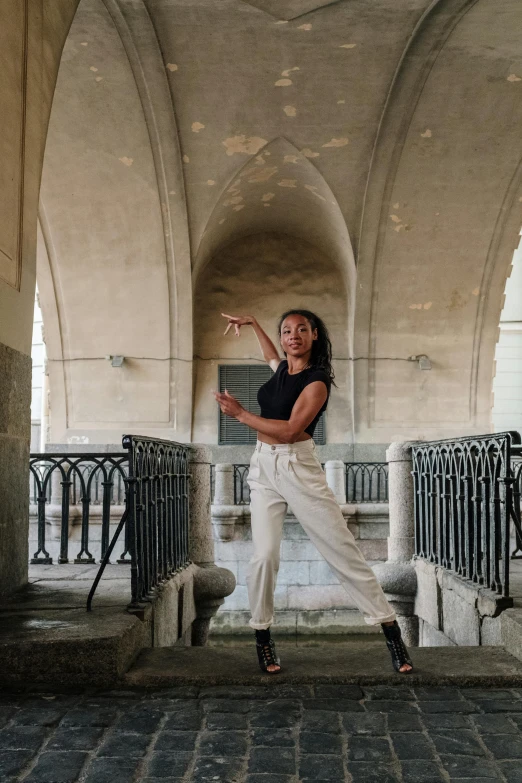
x,y
453,610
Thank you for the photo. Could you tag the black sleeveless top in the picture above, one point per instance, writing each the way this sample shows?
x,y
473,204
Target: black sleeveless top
x,y
277,396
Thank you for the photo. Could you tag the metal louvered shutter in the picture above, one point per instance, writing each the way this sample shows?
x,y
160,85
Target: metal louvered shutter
x,y
243,382
319,432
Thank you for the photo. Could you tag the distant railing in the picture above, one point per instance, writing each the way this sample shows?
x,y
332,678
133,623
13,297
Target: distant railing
x,y
67,480
156,515
467,495
366,482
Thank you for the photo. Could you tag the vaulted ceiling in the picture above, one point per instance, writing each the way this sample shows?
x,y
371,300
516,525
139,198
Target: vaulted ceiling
x,y
385,132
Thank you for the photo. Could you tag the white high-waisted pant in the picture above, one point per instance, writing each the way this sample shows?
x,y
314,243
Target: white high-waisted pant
x,y
290,474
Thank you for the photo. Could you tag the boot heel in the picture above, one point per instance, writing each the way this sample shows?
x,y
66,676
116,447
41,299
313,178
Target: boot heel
x,y
266,653
397,648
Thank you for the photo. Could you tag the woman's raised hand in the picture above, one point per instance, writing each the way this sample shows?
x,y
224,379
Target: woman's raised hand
x,y
237,321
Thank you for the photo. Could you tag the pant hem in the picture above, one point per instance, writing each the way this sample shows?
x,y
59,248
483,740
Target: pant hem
x,y
261,626
378,620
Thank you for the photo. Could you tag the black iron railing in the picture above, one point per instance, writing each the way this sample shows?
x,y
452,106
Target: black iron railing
x,y
366,482
70,479
516,465
464,493
156,515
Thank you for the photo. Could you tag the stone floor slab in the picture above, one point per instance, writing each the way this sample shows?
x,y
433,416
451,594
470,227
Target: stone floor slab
x,y
340,664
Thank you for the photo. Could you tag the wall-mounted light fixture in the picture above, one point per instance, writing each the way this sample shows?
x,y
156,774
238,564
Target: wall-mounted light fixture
x,y
116,361
423,360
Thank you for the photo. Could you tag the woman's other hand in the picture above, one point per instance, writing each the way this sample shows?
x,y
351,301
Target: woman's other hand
x,y
237,321
228,404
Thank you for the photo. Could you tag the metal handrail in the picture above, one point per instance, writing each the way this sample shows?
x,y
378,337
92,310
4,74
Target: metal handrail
x,y
466,495
156,515
80,476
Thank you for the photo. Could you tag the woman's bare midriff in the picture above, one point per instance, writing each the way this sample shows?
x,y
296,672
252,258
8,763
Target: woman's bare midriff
x,y
272,441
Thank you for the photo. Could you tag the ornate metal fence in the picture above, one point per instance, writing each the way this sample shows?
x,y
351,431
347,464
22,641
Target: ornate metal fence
x,y
467,495
65,480
156,514
517,500
366,482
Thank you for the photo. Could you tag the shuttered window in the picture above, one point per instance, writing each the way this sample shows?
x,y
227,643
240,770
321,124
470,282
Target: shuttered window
x,y
243,382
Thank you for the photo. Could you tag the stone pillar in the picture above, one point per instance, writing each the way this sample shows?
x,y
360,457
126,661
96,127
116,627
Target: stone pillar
x,y
400,488
224,484
224,513
15,437
211,584
335,478
397,575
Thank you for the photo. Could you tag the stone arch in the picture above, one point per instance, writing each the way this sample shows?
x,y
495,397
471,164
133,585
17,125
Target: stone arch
x,y
126,243
279,190
264,274
277,198
433,260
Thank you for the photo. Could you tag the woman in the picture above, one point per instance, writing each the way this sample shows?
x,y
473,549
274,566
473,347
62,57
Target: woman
x,y
285,470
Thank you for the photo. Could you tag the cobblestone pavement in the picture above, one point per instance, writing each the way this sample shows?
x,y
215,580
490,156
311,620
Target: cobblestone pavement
x,y
275,734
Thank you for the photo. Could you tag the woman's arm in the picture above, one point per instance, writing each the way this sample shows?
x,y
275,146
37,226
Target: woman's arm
x,y
268,348
305,409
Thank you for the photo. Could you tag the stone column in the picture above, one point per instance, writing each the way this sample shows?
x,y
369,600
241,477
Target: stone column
x,y
211,584
15,436
400,488
224,513
335,478
224,484
397,575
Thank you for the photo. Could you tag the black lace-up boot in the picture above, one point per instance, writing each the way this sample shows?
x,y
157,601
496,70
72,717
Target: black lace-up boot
x,y
396,646
266,651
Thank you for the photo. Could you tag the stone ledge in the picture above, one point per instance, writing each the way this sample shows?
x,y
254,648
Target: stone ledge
x,y
47,636
511,631
457,607
361,663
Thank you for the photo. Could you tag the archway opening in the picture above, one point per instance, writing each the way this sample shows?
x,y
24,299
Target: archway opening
x,y
264,274
507,381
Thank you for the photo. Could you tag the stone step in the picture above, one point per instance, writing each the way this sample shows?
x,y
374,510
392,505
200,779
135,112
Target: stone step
x,y
47,637
511,630
363,662
69,646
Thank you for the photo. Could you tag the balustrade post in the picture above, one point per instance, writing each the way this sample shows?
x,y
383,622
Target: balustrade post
x,y
224,484
336,478
225,513
397,575
211,584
